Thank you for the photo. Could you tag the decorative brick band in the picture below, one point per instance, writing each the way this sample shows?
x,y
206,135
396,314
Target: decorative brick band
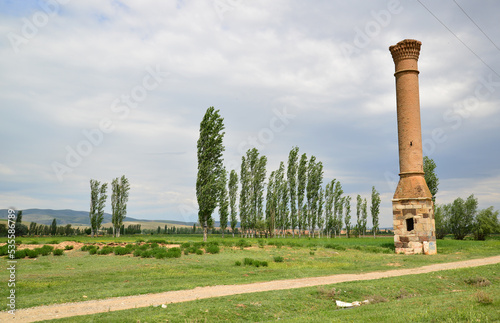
x,y
406,49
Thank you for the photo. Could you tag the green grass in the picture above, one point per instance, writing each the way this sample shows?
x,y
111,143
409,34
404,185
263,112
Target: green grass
x,y
443,296
49,280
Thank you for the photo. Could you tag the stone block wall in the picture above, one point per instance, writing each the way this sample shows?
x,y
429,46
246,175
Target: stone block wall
x,y
414,226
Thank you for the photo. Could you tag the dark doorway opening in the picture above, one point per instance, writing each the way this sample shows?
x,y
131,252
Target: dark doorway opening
x,y
409,224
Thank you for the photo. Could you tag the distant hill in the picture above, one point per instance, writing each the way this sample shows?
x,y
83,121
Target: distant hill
x,y
76,218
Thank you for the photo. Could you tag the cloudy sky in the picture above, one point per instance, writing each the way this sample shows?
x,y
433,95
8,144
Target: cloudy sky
x,y
99,89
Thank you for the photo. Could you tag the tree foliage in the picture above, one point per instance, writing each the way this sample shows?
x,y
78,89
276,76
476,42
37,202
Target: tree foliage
x,y
119,198
223,202
233,190
97,203
430,176
210,148
301,187
375,210
292,186
486,223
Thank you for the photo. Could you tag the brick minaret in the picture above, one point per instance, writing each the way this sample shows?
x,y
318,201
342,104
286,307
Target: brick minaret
x,y
414,228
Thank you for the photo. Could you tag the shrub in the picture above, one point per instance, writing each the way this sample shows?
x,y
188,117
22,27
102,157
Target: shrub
x,y
248,261
84,248
311,253
92,250
213,249
20,254
32,242
68,247
186,252
174,253
31,253
278,259
130,246
227,243
199,251
198,245
4,250
57,252
106,250
478,282
157,241
261,243
278,244
45,250
139,240
147,253
144,247
186,245
264,264
483,298
213,243
154,245
160,253
120,251
242,243
53,242
334,246
137,252
237,263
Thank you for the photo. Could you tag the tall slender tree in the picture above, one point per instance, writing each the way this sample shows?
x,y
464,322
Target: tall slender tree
x,y
119,197
359,219
97,203
364,216
282,192
292,186
329,215
223,203
301,187
320,219
256,175
337,207
233,191
347,217
271,204
210,148
244,195
375,210
53,227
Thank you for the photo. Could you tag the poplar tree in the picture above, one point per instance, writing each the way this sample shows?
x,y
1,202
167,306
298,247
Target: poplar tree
x,y
301,186
337,208
347,208
375,210
430,177
292,186
210,148
320,220
119,198
282,198
233,190
359,219
244,195
97,203
329,215
271,204
364,217
223,202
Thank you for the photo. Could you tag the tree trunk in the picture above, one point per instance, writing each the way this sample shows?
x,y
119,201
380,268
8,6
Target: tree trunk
x,y
114,231
205,231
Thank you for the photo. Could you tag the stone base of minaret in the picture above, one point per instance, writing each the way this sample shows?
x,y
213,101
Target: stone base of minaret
x,y
414,224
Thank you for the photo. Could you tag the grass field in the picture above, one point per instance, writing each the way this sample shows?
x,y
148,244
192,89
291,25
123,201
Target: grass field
x,y
438,297
78,276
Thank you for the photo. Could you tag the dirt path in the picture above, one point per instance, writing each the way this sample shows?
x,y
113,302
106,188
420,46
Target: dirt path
x,y
121,303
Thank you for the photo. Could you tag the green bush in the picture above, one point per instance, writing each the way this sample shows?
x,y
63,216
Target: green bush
x,y
237,263
186,252
227,243
92,250
58,252
264,264
32,242
199,251
154,245
157,241
242,243
261,243
137,252
278,244
186,245
45,250
248,261
20,254
130,246
147,253
68,247
213,249
120,251
31,253
53,242
334,246
106,250
278,259
4,250
198,245
160,253
144,247
174,253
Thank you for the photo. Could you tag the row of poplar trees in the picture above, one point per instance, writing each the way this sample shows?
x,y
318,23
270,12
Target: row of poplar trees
x,y
119,197
295,199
